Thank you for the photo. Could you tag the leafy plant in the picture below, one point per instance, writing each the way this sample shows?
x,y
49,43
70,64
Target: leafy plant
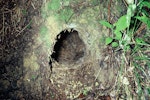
x,y
122,30
124,38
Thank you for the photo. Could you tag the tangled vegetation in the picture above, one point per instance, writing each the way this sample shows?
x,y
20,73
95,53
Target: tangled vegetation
x,y
131,36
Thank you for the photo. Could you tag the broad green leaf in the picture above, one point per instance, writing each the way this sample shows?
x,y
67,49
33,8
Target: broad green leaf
x,y
108,40
122,23
118,35
144,19
115,44
105,23
145,3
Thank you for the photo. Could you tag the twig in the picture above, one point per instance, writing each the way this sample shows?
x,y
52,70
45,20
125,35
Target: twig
x,y
97,74
24,28
109,14
143,26
125,3
33,5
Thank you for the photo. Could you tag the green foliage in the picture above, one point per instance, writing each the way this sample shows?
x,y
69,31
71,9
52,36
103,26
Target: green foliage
x,y
122,23
118,35
140,41
105,23
144,3
114,44
144,19
121,29
108,40
124,38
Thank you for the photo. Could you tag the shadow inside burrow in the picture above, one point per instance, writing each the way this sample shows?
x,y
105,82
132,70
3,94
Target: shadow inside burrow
x,y
68,48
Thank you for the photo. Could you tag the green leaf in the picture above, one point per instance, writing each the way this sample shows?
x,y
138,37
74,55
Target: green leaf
x,y
122,23
144,19
145,3
118,35
115,44
105,23
108,40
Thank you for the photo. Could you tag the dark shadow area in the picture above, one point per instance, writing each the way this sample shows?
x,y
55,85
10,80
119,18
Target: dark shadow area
x,y
57,47
16,34
68,47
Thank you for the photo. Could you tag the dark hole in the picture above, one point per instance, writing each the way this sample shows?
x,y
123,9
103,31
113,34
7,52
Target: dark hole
x,y
68,48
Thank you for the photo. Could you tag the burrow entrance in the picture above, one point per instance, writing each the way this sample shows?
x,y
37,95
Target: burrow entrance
x,y
69,47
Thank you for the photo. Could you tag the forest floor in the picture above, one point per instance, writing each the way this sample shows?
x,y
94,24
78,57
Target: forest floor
x,y
27,72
